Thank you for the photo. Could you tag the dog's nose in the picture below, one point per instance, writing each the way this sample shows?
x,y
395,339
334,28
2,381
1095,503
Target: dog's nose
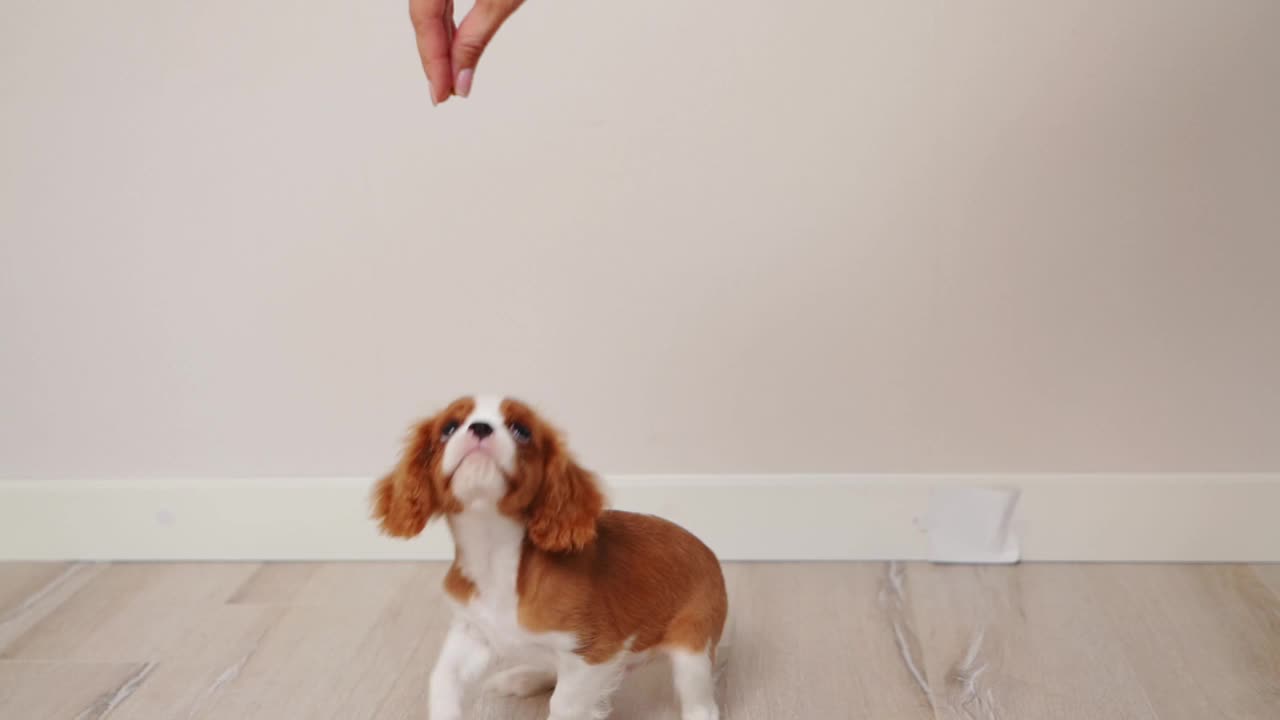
x,y
481,430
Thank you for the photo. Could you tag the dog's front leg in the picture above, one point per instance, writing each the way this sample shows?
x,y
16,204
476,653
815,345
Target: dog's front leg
x,y
464,657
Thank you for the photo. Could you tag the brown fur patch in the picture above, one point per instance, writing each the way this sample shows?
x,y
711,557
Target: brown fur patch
x,y
558,500
643,578
457,585
414,492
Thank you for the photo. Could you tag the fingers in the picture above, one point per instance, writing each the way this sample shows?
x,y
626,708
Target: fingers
x,y
450,27
450,53
473,35
433,25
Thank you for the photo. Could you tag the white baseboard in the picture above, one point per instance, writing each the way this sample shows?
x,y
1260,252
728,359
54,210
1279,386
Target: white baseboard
x,y
1205,518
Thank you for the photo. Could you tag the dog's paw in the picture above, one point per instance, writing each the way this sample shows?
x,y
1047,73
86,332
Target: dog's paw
x,y
523,681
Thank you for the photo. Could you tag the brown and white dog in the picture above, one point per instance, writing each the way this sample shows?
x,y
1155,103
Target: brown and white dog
x,y
565,593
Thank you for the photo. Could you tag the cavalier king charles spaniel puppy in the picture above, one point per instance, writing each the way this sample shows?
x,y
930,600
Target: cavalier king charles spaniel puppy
x,y
564,593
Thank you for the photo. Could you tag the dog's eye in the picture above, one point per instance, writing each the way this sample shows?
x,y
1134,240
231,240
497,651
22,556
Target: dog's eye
x,y
449,428
519,432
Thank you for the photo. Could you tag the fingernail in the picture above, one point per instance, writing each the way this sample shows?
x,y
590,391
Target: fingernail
x,y
432,90
464,82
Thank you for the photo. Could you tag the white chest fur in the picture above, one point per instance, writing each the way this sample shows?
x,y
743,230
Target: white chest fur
x,y
489,548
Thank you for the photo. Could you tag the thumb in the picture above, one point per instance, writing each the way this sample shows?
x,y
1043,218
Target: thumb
x,y
473,35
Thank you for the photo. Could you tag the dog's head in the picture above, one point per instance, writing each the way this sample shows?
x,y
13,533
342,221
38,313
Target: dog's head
x,y
493,453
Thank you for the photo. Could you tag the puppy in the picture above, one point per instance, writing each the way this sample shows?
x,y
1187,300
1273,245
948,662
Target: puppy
x,y
565,593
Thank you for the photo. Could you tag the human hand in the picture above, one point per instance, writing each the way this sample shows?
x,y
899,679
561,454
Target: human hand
x,y
450,52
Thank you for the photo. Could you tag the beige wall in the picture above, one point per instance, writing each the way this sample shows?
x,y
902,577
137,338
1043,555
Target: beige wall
x,y
864,236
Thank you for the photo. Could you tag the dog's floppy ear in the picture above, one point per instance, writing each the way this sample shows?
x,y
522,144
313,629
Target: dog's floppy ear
x,y
407,497
564,513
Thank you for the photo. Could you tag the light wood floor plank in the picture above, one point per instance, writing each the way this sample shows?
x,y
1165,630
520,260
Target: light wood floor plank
x,y
805,635
367,585
1204,639
132,613
65,690
21,584
36,604
410,618
1021,642
213,653
338,651
646,694
275,583
357,642
1270,576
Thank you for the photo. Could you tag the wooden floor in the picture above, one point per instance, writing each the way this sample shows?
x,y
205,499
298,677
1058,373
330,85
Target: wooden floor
x,y
811,642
